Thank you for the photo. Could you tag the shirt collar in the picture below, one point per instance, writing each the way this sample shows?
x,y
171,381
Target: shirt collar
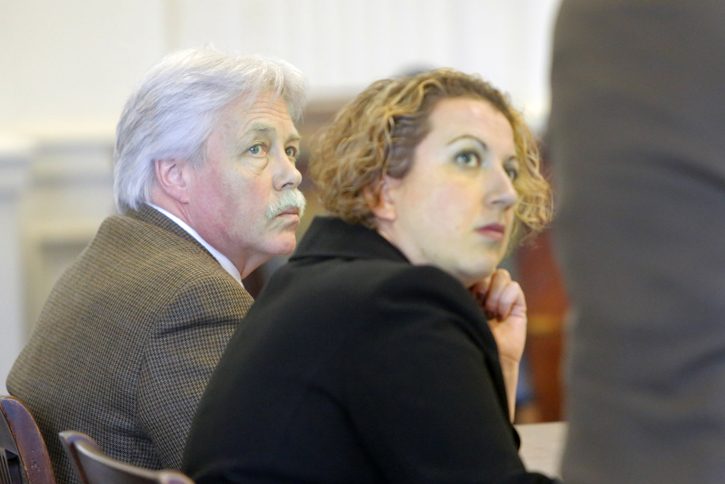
x,y
221,258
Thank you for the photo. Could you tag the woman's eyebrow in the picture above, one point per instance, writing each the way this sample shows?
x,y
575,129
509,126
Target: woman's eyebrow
x,y
471,137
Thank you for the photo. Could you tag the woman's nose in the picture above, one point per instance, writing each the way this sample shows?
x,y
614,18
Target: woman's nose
x,y
502,190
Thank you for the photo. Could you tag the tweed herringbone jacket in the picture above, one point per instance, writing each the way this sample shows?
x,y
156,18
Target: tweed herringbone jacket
x,y
127,341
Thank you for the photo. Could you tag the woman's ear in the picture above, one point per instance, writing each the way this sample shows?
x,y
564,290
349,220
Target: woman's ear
x,y
171,177
384,207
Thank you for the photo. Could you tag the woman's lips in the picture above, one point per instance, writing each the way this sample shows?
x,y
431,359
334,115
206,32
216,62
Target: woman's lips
x,y
493,231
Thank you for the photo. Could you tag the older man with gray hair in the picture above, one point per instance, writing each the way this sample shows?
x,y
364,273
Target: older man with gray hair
x,y
205,179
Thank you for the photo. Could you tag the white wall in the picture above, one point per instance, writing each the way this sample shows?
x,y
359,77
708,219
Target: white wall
x,y
75,61
67,66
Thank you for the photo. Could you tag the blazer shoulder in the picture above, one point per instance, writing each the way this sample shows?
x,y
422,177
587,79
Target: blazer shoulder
x,y
427,284
145,248
428,296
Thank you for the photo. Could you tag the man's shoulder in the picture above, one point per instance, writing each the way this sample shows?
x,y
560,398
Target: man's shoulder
x,y
131,282
135,269
132,243
140,229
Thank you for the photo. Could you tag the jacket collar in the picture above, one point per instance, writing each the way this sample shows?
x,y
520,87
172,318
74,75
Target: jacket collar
x,y
150,215
333,237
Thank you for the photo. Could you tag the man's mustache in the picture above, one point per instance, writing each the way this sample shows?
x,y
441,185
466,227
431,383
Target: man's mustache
x,y
287,199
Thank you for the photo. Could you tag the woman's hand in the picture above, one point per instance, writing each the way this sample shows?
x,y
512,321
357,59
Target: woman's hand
x,y
503,302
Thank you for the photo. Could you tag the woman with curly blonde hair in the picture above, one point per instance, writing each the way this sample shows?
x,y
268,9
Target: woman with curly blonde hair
x,y
376,135
387,350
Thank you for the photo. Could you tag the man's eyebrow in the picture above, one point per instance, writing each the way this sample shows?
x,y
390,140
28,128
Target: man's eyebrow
x,y
261,128
265,129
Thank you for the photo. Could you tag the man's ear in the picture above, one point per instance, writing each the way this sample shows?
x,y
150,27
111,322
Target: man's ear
x,y
384,207
171,177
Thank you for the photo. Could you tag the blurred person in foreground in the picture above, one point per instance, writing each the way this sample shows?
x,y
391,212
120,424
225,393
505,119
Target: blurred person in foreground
x,y
368,358
204,174
637,122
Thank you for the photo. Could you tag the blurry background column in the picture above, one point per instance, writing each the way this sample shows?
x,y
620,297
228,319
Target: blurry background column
x,y
540,278
15,153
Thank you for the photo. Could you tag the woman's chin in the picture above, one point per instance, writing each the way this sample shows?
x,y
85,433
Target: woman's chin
x,y
470,276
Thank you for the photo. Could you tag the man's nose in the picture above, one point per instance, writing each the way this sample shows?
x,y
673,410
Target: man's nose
x,y
286,174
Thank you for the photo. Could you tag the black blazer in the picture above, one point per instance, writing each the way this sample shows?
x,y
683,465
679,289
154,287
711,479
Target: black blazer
x,y
355,366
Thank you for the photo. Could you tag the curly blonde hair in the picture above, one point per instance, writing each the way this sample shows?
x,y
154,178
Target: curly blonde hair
x,y
376,134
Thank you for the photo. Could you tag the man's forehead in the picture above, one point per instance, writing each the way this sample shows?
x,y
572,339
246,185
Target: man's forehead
x,y
265,103
266,116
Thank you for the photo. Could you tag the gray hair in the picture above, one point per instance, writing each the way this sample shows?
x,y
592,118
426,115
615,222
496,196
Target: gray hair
x,y
176,106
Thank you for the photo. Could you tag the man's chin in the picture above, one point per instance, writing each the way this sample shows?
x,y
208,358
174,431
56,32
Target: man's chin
x,y
285,244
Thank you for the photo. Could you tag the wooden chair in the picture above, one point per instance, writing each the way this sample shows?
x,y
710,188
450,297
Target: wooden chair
x,y
23,455
93,467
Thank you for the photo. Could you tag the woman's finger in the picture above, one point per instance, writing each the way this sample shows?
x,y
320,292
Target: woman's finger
x,y
499,281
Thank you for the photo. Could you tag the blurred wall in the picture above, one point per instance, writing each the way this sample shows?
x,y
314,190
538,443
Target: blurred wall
x,y
75,61
66,68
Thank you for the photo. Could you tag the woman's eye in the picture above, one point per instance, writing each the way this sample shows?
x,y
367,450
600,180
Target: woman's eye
x,y
513,173
468,158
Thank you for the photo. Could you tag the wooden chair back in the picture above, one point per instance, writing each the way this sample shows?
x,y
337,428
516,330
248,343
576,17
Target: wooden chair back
x,y
23,456
92,466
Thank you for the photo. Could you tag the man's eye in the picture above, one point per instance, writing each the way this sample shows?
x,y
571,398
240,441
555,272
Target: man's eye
x,y
291,152
468,158
256,150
